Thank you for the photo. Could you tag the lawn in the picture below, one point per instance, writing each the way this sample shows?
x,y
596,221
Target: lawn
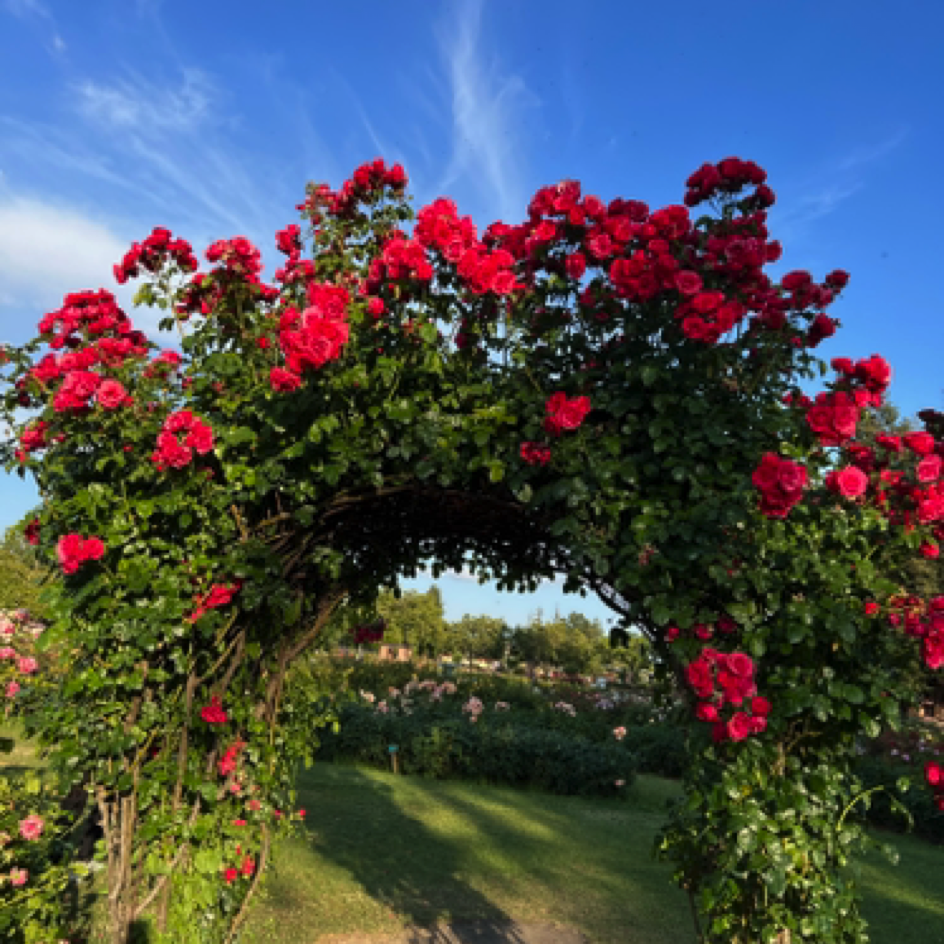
x,y
383,851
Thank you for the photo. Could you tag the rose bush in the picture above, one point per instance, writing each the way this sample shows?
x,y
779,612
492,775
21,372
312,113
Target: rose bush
x,y
604,391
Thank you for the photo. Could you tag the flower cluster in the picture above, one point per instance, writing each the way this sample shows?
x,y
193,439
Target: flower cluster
x,y
922,620
367,183
482,270
833,417
230,759
91,313
402,259
73,550
723,680
238,256
152,254
728,176
171,452
32,438
18,628
702,631
314,337
246,868
780,483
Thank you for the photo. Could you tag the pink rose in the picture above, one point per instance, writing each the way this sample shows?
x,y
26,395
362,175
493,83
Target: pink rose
x,y
31,828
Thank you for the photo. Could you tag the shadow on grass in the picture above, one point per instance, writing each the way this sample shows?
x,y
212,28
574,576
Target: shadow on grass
x,y
411,874
384,851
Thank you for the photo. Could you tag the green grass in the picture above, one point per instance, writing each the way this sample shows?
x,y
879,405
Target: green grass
x,y
23,756
384,851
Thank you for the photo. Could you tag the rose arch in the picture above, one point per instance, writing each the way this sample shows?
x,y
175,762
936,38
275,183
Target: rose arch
x,y
605,392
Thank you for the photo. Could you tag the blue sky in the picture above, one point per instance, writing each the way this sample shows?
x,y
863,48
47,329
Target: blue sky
x,y
210,117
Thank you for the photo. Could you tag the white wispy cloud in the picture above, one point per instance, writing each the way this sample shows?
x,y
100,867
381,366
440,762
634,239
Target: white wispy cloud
x,y
868,154
38,13
136,104
177,137
48,250
835,182
488,105
27,8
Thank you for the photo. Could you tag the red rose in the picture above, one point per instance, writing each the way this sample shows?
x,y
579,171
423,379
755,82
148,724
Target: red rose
x,y
757,724
871,608
31,532
688,282
565,414
930,550
851,482
892,443
284,381
535,453
705,711
739,726
760,706
214,713
920,443
929,469
73,550
934,773
200,438
575,264
111,395
740,664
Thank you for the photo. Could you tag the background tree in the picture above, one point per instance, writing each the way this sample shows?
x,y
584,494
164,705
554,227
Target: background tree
x,y
21,574
414,619
477,637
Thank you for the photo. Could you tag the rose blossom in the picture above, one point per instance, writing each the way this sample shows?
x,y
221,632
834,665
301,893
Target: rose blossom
x,y
31,828
27,665
739,726
850,481
565,414
18,876
111,395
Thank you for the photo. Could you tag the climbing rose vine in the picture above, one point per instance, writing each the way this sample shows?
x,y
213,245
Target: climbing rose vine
x,y
604,391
